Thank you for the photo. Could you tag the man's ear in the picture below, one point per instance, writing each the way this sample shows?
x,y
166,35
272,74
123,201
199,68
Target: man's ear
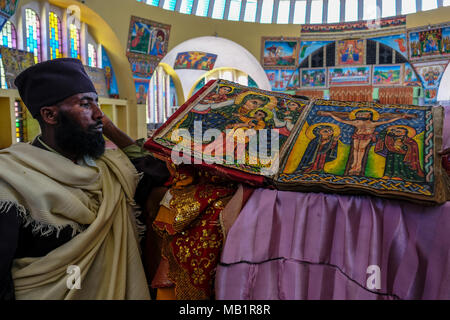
x,y
50,115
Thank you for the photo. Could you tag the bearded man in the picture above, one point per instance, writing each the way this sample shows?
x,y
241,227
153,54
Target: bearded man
x,y
67,223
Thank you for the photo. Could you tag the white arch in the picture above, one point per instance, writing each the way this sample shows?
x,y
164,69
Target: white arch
x,y
229,54
444,88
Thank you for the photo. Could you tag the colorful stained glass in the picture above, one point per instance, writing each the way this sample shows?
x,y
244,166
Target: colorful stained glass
x,y
92,56
9,36
33,33
21,133
55,36
74,42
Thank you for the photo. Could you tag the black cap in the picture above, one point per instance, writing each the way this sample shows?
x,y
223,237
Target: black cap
x,y
52,81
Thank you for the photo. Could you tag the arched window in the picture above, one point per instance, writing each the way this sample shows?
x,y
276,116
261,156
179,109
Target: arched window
x,y
75,51
33,34
8,39
9,36
92,56
162,97
55,36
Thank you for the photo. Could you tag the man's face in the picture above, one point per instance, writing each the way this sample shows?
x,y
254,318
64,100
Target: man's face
x,y
79,129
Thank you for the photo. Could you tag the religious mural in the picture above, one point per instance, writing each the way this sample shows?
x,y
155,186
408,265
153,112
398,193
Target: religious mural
x,y
142,85
148,42
111,81
353,26
387,75
308,47
430,74
7,9
195,60
350,52
279,78
429,43
380,148
14,62
98,78
396,42
410,78
148,37
279,52
314,78
344,76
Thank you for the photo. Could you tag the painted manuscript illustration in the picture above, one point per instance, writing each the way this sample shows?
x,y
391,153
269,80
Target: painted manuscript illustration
x,y
384,148
279,52
350,52
195,60
227,110
14,62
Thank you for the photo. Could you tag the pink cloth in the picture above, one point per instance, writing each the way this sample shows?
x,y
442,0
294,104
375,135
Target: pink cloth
x,y
292,245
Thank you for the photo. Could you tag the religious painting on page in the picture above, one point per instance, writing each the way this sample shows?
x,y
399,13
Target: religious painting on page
x,y
234,126
387,150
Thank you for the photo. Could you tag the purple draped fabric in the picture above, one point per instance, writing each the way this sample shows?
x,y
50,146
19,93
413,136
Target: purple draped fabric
x,y
292,245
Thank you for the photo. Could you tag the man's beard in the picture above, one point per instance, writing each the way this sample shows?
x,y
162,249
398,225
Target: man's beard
x,y
71,138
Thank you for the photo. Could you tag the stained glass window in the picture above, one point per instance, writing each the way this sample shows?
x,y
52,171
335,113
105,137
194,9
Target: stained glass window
x,y
74,42
388,8
21,133
9,35
170,4
202,8
351,10
267,11
92,56
429,4
408,6
283,11
55,36
316,11
370,9
250,11
235,10
186,6
33,33
300,11
218,9
2,75
334,11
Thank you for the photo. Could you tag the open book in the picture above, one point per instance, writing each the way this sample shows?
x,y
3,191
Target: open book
x,y
277,140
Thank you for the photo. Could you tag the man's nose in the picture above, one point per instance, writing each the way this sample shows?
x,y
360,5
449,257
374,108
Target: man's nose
x,y
97,113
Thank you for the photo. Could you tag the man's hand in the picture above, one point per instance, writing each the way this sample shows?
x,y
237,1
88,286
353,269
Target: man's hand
x,y
113,133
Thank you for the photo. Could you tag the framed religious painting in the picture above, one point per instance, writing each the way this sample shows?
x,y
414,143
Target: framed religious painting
x,y
313,78
349,76
384,150
279,52
195,60
147,37
429,43
350,52
387,75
